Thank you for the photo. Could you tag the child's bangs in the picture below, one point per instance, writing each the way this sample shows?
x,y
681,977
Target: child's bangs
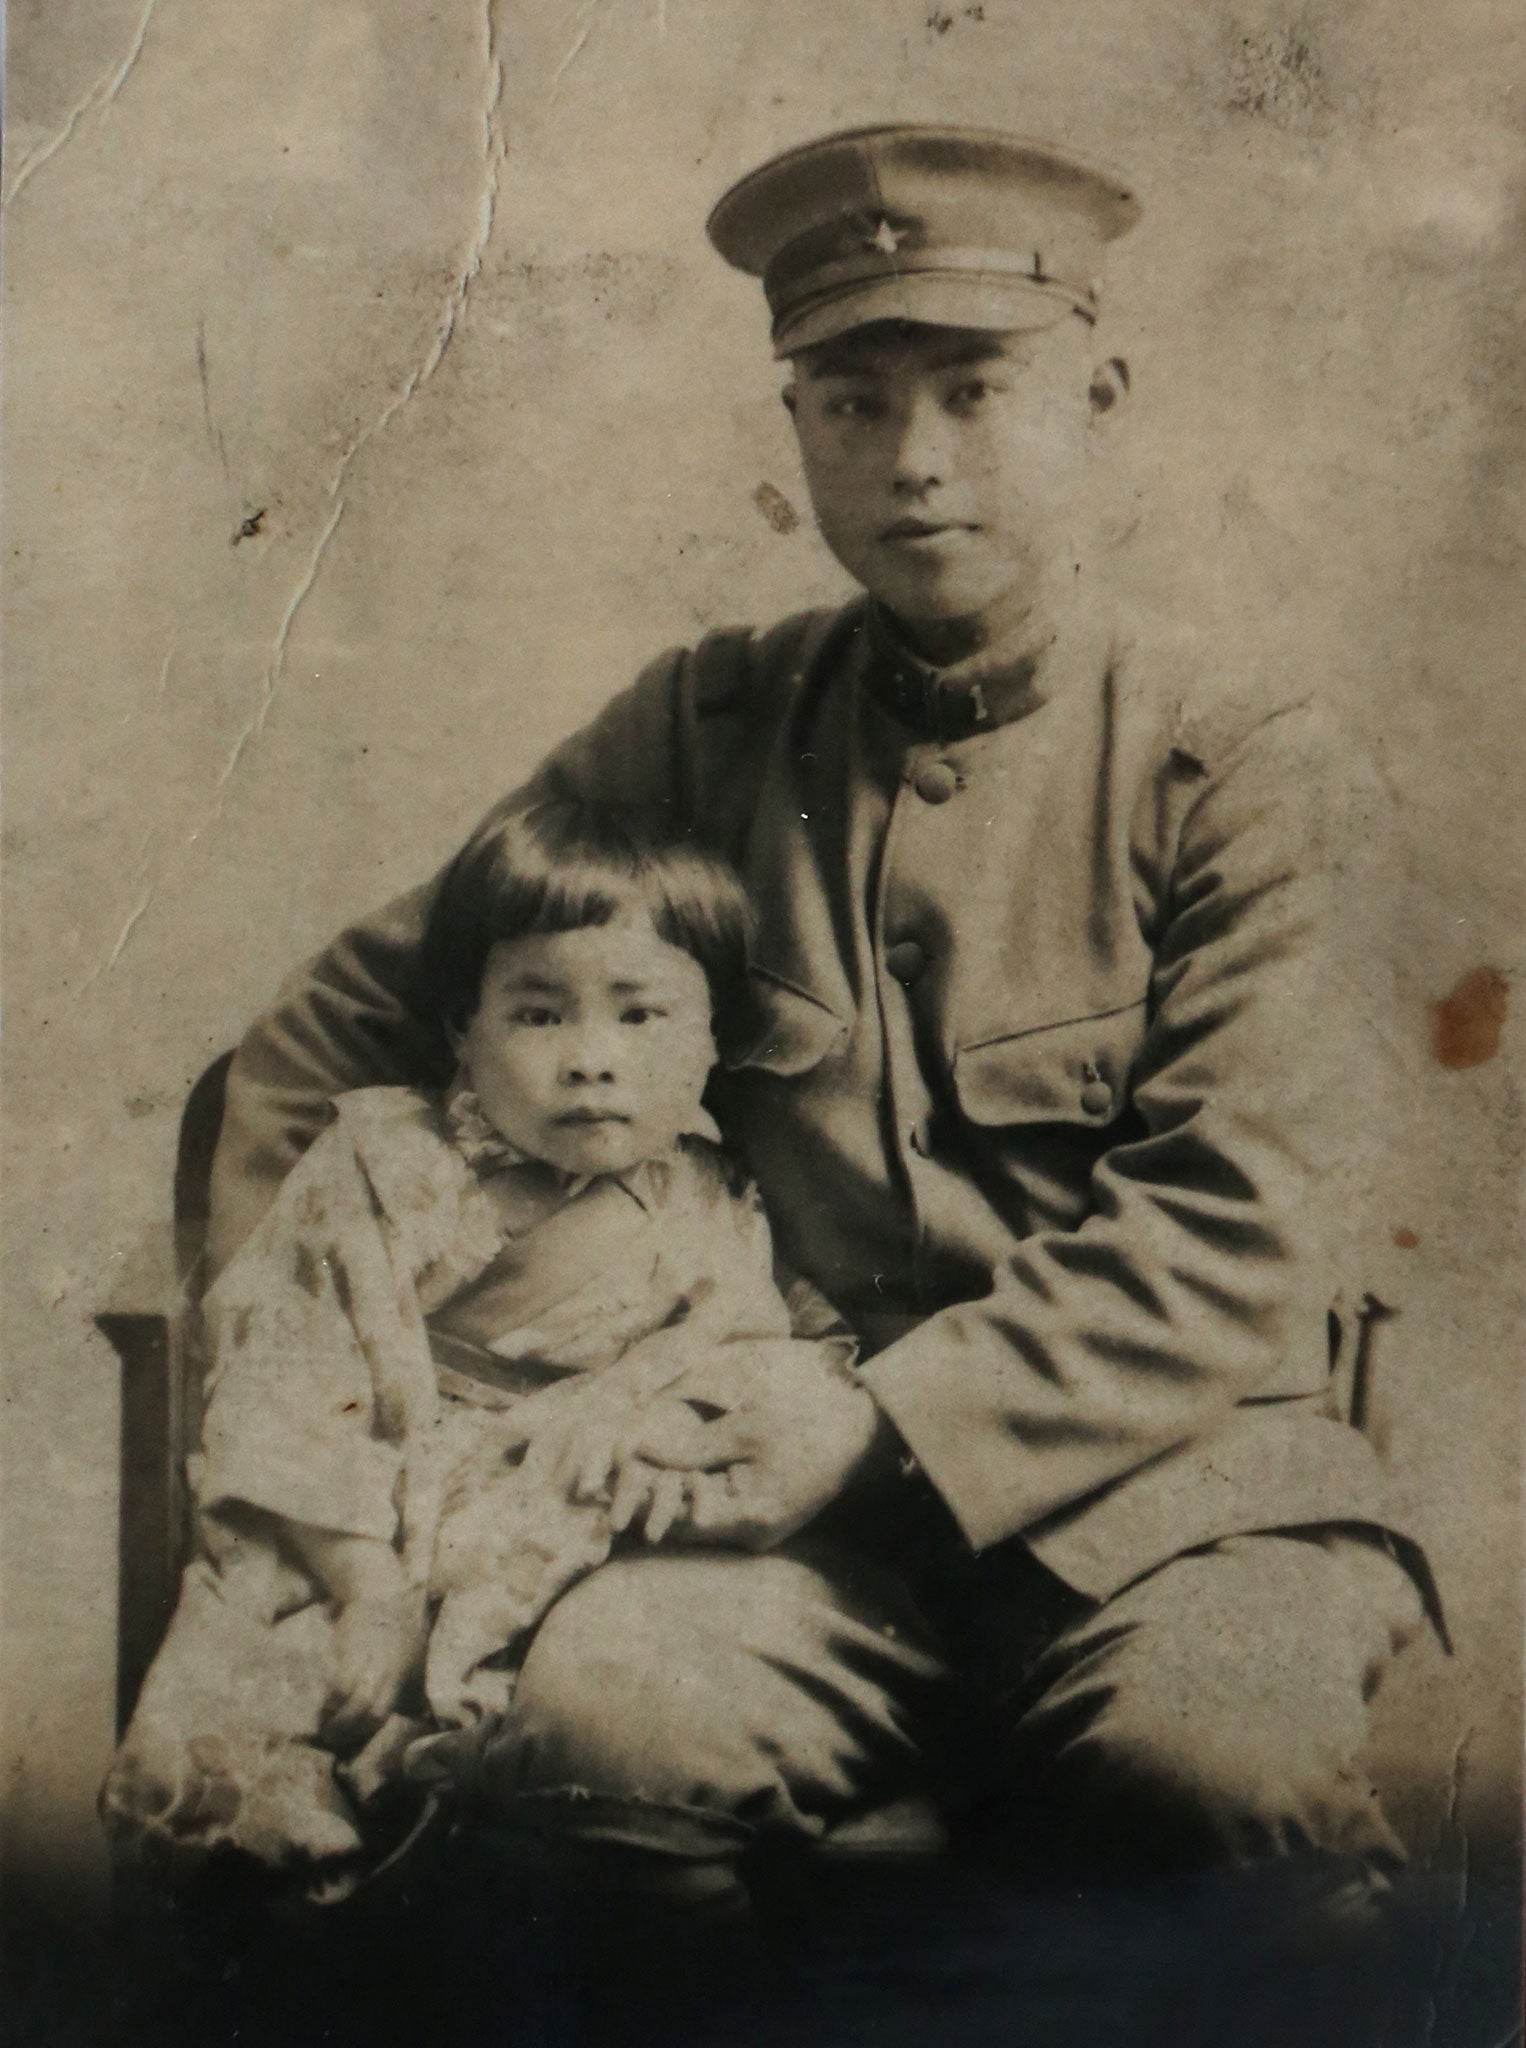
x,y
568,867
572,898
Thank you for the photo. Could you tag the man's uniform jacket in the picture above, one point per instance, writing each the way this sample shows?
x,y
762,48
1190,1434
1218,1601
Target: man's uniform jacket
x,y
1029,1091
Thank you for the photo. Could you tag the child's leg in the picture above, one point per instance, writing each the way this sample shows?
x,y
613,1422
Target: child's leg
x,y
222,1750
507,1548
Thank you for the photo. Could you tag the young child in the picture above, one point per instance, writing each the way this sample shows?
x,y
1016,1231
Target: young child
x,y
560,1225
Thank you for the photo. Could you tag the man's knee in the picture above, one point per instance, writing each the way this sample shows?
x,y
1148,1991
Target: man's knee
x,y
746,1687
617,1691
1219,1709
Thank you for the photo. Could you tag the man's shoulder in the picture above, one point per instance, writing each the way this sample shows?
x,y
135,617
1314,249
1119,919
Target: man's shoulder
x,y
750,672
1207,695
400,1137
369,1115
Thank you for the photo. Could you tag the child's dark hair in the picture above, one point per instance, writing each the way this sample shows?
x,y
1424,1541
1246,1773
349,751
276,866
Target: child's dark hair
x,y
563,865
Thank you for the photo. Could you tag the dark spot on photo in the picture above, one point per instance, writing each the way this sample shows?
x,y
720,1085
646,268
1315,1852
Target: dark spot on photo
x,y
776,508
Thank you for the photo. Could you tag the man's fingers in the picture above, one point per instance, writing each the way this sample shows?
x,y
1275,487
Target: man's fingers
x,y
588,1461
716,1511
633,1493
669,1504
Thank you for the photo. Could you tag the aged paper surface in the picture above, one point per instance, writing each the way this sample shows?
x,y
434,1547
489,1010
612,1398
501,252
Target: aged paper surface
x,y
374,408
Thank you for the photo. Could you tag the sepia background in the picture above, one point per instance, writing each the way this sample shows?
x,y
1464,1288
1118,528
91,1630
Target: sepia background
x,y
374,407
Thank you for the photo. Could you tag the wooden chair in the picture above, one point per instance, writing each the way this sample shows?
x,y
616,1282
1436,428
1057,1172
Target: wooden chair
x,y
152,1326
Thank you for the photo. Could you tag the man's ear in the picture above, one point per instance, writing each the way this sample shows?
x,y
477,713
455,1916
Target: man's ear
x,y
1109,386
787,398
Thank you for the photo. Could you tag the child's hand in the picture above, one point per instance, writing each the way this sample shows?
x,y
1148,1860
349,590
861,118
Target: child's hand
x,y
378,1639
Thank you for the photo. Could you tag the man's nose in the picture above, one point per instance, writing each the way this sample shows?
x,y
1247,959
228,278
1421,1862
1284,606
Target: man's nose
x,y
922,453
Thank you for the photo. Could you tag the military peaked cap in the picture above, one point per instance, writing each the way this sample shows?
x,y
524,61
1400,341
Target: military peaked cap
x,y
955,227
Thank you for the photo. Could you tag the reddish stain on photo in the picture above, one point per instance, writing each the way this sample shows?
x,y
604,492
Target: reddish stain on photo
x,y
1466,1025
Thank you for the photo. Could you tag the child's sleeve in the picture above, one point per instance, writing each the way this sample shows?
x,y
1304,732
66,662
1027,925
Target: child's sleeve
x,y
313,1358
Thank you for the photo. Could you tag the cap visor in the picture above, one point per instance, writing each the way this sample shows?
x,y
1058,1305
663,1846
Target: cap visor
x,y
1003,305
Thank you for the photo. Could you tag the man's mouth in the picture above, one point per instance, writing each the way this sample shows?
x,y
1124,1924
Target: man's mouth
x,y
926,529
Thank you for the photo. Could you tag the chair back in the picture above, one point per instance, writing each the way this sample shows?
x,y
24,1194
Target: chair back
x,y
201,1125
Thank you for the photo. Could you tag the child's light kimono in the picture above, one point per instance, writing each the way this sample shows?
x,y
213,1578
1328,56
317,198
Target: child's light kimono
x,y
416,1276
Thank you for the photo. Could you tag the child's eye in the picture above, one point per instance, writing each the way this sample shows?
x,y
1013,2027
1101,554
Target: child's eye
x,y
534,1014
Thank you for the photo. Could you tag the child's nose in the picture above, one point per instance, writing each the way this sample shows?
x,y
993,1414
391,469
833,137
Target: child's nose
x,y
591,1059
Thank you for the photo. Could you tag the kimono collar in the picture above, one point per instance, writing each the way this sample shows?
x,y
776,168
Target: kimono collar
x,y
988,689
487,1152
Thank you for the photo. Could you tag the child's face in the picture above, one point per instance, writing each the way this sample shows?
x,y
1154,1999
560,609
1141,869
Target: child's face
x,y
590,1049
941,460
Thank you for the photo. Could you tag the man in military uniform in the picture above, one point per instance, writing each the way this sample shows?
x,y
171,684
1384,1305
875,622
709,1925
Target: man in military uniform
x,y
1042,907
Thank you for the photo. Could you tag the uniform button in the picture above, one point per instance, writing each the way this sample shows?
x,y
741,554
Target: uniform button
x,y
937,782
1096,1098
905,960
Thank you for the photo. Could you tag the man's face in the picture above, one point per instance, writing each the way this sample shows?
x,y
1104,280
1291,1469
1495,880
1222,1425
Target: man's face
x,y
590,1049
941,460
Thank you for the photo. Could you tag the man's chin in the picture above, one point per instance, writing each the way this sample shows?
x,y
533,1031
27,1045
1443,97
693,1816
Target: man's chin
x,y
936,603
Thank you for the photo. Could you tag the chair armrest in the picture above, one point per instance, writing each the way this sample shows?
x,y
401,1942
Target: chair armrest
x,y
144,1282
144,1322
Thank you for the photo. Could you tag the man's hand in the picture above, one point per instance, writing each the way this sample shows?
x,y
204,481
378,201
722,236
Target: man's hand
x,y
591,1455
794,1437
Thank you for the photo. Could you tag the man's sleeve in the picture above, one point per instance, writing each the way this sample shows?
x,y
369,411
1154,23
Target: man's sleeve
x,y
349,1018
1200,1267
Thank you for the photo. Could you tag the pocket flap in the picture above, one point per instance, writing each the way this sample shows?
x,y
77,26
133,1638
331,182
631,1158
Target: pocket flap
x,y
1075,1072
792,1031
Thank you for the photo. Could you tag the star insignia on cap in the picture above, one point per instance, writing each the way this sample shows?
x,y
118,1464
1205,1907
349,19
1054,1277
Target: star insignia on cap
x,y
886,238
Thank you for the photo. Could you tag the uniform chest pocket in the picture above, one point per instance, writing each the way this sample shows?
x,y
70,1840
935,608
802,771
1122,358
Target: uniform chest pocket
x,y
1074,1072
789,1030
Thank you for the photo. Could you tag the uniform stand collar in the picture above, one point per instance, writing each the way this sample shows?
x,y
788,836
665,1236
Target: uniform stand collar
x,y
1000,683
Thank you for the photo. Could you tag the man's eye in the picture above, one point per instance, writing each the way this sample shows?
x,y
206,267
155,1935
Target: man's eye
x,y
534,1014
854,405
967,396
